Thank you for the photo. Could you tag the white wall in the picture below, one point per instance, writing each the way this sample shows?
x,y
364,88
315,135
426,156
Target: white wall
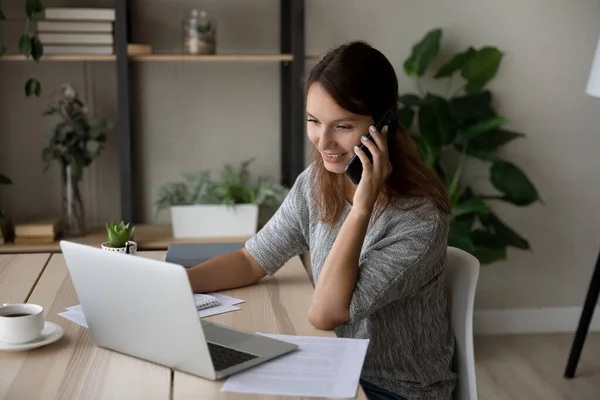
x,y
540,87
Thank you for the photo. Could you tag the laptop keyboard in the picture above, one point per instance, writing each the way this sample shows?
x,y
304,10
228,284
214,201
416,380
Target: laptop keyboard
x,y
224,357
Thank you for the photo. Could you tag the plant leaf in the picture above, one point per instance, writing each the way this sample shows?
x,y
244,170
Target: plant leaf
x,y
487,239
5,180
406,116
473,107
33,87
482,127
481,68
25,45
423,53
473,205
480,154
487,255
508,236
427,153
453,187
436,122
459,236
455,63
467,219
93,148
410,100
33,7
493,140
37,48
512,181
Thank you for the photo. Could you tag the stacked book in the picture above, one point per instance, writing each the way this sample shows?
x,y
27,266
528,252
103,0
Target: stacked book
x,y
39,230
68,30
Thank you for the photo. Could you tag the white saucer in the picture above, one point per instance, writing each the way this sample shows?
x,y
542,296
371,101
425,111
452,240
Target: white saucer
x,y
50,334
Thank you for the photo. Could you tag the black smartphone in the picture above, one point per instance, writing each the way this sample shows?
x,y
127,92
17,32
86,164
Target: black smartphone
x,y
354,168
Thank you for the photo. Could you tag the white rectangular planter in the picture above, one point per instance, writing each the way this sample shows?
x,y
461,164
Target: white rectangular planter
x,y
214,220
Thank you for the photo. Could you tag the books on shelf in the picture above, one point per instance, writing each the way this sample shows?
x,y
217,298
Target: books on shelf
x,y
76,38
38,230
74,26
79,14
78,50
72,31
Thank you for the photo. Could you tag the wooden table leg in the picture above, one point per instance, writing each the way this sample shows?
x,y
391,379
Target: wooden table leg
x,y
584,321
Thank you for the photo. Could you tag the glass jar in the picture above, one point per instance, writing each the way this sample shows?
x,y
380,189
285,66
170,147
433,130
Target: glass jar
x,y
199,34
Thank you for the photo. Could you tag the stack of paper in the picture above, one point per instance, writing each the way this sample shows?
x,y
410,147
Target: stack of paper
x,y
225,304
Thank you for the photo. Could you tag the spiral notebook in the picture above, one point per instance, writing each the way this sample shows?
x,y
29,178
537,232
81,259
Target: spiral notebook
x,y
204,301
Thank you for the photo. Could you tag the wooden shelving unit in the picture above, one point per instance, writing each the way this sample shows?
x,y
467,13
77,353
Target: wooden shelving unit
x,y
161,57
215,57
291,59
61,57
148,237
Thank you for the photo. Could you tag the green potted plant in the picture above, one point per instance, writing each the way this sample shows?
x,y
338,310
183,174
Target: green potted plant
x,y
225,207
29,43
5,226
74,142
449,128
120,238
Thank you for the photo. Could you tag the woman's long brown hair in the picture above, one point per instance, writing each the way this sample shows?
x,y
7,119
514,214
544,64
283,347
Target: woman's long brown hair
x,y
361,80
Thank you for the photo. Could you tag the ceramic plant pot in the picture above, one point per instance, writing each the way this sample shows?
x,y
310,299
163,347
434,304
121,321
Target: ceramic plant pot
x,y
132,248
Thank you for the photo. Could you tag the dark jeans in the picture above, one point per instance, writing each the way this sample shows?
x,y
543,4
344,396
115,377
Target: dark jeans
x,y
376,393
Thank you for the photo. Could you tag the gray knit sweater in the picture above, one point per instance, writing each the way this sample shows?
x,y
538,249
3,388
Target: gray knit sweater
x,y
399,301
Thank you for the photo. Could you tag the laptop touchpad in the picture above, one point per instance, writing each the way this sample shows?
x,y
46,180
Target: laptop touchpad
x,y
225,336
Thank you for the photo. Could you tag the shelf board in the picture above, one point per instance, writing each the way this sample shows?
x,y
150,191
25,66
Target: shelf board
x,y
148,237
61,57
156,57
213,57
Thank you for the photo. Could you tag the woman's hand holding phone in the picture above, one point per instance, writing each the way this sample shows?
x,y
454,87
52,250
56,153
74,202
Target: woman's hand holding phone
x,y
374,174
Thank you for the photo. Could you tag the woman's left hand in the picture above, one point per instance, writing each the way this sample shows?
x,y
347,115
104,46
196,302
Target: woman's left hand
x,y
373,175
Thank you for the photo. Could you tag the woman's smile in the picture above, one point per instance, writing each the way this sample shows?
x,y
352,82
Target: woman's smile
x,y
333,158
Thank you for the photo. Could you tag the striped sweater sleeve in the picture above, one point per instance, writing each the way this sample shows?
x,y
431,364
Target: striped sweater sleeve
x,y
283,236
399,265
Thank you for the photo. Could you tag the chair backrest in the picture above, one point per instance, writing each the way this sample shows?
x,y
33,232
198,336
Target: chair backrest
x,y
462,276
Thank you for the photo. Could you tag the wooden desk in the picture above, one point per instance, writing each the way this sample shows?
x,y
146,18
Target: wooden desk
x,y
76,368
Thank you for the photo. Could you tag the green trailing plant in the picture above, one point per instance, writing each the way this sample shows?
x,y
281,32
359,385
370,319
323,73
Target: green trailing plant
x,y
29,43
4,180
451,128
233,187
78,138
119,235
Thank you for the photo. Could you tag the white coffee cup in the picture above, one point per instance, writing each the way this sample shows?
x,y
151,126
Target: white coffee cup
x,y
20,323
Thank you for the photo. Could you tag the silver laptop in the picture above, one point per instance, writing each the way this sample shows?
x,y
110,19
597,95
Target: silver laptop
x,y
145,308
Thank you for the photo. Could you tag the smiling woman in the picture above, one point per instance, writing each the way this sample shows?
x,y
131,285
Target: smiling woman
x,y
378,249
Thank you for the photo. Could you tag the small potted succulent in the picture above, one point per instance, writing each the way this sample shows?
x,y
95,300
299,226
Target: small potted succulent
x,y
120,238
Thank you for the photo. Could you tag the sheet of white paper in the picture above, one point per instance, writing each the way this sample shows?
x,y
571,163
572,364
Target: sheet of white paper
x,y
75,317
321,367
207,312
223,299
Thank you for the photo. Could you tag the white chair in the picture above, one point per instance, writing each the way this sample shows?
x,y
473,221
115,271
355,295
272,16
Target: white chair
x,y
461,280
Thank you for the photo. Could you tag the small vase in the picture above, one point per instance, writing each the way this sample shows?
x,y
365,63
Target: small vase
x,y
72,204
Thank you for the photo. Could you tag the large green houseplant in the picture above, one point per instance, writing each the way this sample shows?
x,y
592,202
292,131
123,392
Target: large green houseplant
x,y
227,206
450,128
29,43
